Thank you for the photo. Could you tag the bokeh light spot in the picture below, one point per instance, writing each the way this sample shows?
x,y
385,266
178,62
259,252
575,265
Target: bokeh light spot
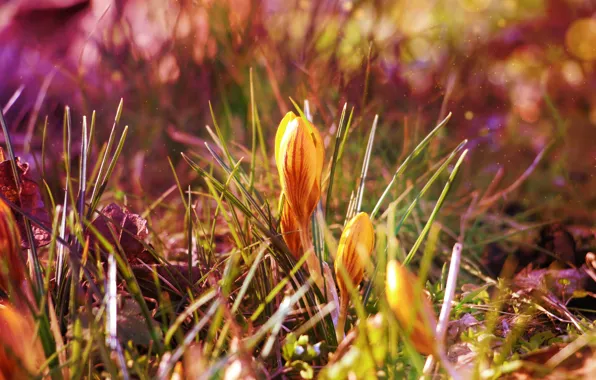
x,y
572,72
474,5
580,39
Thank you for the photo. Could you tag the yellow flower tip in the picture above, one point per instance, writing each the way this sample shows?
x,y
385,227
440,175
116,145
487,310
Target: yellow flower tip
x,y
355,246
21,353
281,130
299,158
416,317
291,232
12,267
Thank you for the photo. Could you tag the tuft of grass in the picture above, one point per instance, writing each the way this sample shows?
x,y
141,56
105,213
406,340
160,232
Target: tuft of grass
x,y
215,284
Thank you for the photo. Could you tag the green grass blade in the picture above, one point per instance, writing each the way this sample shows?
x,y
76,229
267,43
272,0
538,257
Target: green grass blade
x,y
407,161
97,186
436,209
365,163
334,160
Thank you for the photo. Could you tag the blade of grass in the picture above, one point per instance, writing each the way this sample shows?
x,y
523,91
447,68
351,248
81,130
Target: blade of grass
x,y
365,163
428,184
436,209
334,159
112,317
406,162
97,186
13,99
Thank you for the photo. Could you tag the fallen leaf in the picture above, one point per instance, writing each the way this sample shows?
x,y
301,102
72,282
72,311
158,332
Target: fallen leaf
x,y
132,325
580,365
456,327
554,288
562,283
29,199
173,278
556,239
128,228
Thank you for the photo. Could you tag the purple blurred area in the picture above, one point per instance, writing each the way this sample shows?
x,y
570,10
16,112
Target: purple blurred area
x,y
517,75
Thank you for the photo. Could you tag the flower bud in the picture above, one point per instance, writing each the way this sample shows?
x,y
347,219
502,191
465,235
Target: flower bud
x,y
299,155
412,309
21,353
291,232
356,243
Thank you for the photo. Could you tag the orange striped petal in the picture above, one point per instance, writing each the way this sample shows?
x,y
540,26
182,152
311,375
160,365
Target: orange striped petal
x,y
420,323
281,130
297,167
21,353
318,141
291,232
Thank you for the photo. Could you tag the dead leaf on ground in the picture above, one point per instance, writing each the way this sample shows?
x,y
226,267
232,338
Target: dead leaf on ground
x,y
173,277
556,238
558,250
562,283
128,228
456,327
580,365
29,199
132,325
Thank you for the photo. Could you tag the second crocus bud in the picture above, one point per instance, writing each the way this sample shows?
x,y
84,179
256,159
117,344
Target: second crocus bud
x,y
411,308
355,247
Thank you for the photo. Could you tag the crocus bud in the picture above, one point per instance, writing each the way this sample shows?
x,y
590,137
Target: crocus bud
x,y
299,155
291,232
12,266
21,353
412,309
355,245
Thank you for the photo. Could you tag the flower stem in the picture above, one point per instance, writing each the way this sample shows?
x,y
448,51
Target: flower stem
x,y
343,314
311,260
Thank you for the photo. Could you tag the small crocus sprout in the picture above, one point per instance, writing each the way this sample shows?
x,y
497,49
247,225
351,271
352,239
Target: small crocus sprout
x,y
291,232
355,246
299,155
12,266
21,353
411,308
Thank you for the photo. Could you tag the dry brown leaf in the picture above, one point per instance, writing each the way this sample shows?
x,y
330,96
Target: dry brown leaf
x,y
562,283
29,199
172,278
580,365
128,228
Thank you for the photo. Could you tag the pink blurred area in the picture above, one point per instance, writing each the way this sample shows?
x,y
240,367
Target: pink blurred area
x,y
517,75
66,51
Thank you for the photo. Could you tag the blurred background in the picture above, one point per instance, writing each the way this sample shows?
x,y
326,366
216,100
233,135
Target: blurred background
x,y
519,77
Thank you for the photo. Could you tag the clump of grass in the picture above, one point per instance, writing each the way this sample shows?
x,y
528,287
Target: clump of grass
x,y
269,305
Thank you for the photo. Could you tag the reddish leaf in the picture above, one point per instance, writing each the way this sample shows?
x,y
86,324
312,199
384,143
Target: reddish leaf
x,y
562,283
30,200
128,228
